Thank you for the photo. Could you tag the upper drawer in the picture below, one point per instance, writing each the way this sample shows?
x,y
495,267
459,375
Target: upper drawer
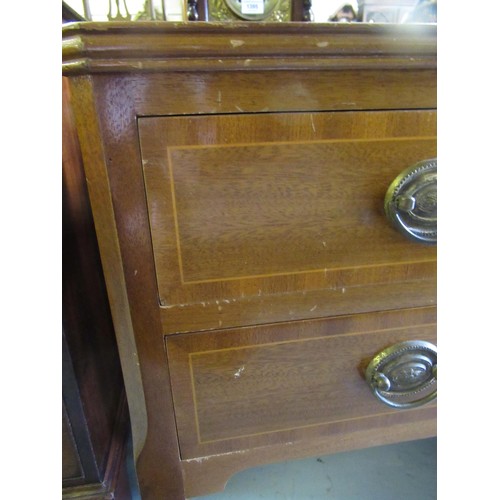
x,y
268,217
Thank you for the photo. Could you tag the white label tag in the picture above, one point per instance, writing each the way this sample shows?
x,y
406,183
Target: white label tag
x,y
252,6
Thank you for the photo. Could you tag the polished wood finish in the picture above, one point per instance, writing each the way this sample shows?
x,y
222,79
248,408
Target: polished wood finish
x,y
223,190
286,382
95,417
158,46
127,77
147,381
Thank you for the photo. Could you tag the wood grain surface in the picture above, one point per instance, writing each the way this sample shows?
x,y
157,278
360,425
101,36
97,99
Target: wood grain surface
x,y
251,387
158,46
253,207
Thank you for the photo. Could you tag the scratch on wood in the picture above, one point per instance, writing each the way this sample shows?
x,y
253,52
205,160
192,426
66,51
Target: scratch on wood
x,y
312,124
200,460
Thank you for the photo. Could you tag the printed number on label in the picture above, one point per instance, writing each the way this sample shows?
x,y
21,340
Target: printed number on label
x,y
252,6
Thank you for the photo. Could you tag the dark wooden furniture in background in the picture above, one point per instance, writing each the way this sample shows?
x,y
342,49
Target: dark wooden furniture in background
x,y
237,176
95,423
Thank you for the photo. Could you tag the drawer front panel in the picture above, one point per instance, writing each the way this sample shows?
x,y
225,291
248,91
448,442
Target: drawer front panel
x,y
252,208
284,382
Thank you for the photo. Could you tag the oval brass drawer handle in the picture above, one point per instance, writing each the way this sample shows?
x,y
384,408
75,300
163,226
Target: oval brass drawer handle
x,y
405,374
411,202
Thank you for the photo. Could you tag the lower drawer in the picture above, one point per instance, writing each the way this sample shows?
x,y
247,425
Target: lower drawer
x,y
242,388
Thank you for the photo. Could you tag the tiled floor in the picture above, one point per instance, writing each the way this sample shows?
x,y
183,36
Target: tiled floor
x,y
405,471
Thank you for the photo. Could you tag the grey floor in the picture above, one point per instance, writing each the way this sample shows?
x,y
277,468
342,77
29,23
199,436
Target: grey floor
x,y
405,471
